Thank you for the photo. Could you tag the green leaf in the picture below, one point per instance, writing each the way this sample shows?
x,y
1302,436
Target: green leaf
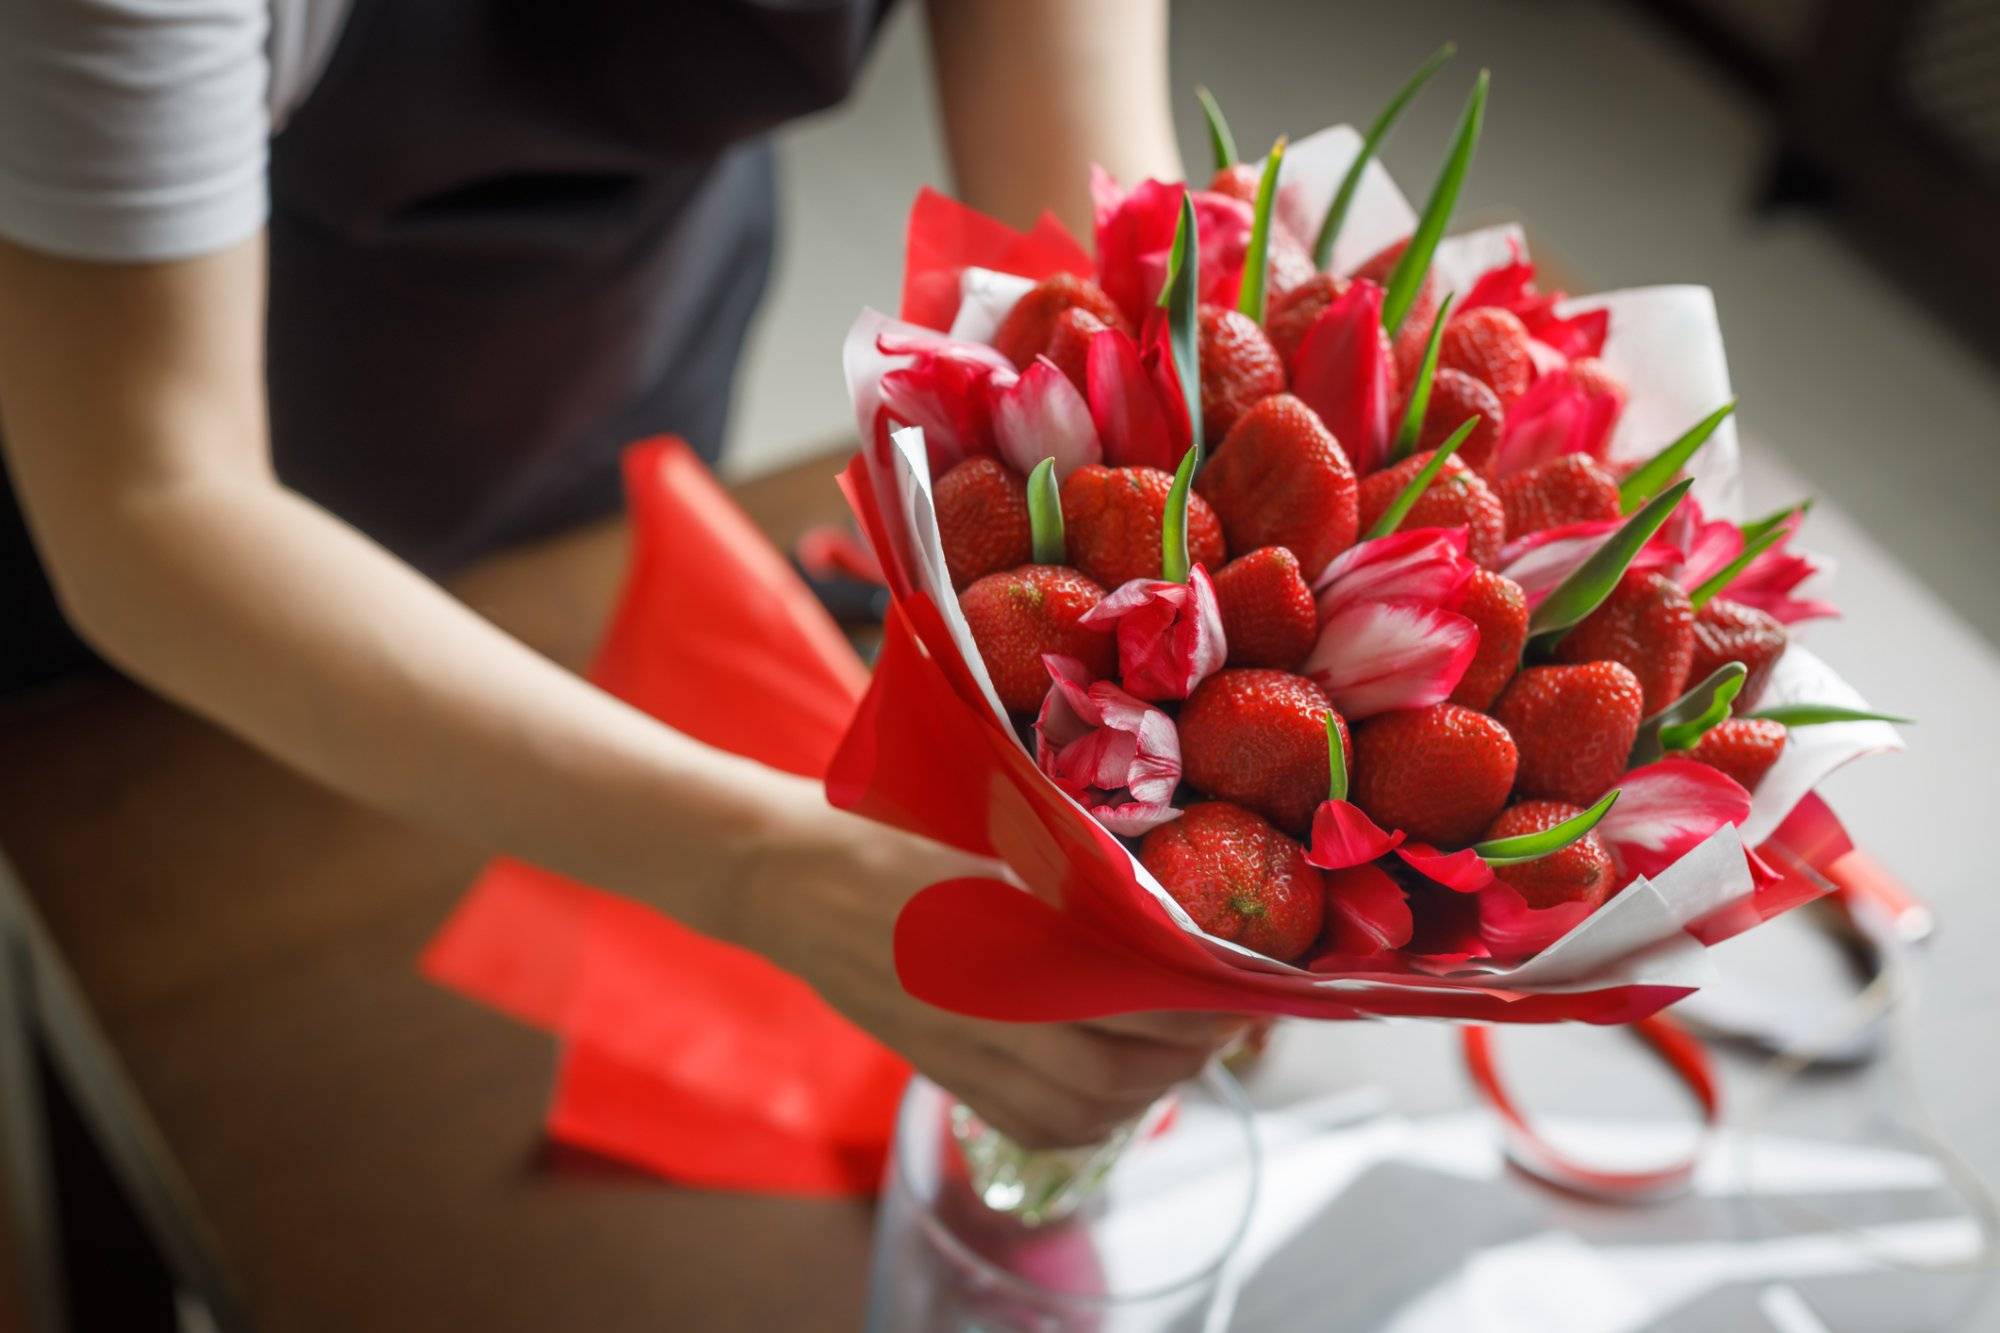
x,y
1645,480
1336,760
1406,499
1256,261
1180,298
1687,719
1534,846
1719,580
1045,520
1592,581
1811,715
1174,522
1420,393
1378,134
1408,278
1220,142
1758,527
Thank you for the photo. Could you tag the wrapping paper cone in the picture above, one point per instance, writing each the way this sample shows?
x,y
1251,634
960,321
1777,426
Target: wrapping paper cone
x,y
684,1055
945,238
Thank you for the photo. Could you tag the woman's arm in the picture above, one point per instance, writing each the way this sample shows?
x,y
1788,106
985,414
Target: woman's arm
x,y
1034,91
132,405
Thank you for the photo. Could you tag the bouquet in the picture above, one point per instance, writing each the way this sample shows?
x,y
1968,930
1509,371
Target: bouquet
x,y
1319,615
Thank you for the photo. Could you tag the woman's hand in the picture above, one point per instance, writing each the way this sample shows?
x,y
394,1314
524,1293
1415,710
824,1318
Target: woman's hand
x,y
823,903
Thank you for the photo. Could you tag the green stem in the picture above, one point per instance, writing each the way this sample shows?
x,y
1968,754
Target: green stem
x,y
1378,134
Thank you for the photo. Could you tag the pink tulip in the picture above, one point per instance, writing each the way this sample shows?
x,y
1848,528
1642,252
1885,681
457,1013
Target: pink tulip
x,y
1039,414
1117,756
1169,634
1346,373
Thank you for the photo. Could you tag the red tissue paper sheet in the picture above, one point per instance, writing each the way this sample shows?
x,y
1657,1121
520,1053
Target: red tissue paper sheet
x,y
683,1055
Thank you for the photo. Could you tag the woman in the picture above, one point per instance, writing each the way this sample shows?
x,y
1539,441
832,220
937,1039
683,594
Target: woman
x,y
501,241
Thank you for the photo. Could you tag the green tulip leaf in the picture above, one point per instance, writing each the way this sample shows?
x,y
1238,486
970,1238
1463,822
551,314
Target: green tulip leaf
x,y
1406,500
1687,719
1045,520
1534,846
1336,760
1256,259
1378,134
1722,578
1811,715
1221,143
1645,480
1180,297
1420,393
1408,278
1592,581
1174,522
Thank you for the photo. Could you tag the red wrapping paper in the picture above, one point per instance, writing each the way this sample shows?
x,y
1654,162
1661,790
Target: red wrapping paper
x,y
684,1055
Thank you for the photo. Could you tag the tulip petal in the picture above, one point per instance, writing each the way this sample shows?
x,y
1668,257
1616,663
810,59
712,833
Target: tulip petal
x,y
1345,372
1042,415
1425,566
1557,415
1135,231
1540,561
1511,929
1105,748
1366,913
1462,871
1132,425
1343,836
1375,656
1133,819
1667,809
1169,634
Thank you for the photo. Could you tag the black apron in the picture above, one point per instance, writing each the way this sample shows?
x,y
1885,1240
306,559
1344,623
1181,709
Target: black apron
x,y
508,238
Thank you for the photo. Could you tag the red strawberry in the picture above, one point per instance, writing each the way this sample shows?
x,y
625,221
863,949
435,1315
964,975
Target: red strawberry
x,y
1647,624
1439,773
1024,334
1496,604
1574,726
1017,616
1268,615
1069,345
1239,368
1112,517
1491,345
1238,180
1743,747
1581,872
1281,479
1415,334
1291,312
1239,878
1259,738
982,513
1570,489
1726,631
1457,498
1455,397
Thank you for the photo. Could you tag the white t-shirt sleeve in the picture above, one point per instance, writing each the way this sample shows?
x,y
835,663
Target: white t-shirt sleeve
x,y
133,129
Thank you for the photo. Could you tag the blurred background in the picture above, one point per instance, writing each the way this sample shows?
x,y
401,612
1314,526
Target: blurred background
x,y
1830,167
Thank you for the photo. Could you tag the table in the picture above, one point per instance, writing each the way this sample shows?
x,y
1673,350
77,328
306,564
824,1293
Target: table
x,y
365,1147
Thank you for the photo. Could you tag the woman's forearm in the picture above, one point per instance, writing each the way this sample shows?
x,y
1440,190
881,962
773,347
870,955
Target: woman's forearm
x,y
132,408
1034,91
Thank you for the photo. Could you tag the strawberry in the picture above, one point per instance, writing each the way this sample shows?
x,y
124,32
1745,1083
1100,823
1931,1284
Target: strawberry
x,y
1239,368
1112,517
1069,345
1258,738
1570,489
1017,616
1581,872
1600,381
1281,479
1457,498
1574,726
1290,312
1456,396
1024,334
1239,878
1439,773
1647,624
1491,345
982,514
1268,615
1726,631
1238,180
1496,604
1743,747
1411,339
